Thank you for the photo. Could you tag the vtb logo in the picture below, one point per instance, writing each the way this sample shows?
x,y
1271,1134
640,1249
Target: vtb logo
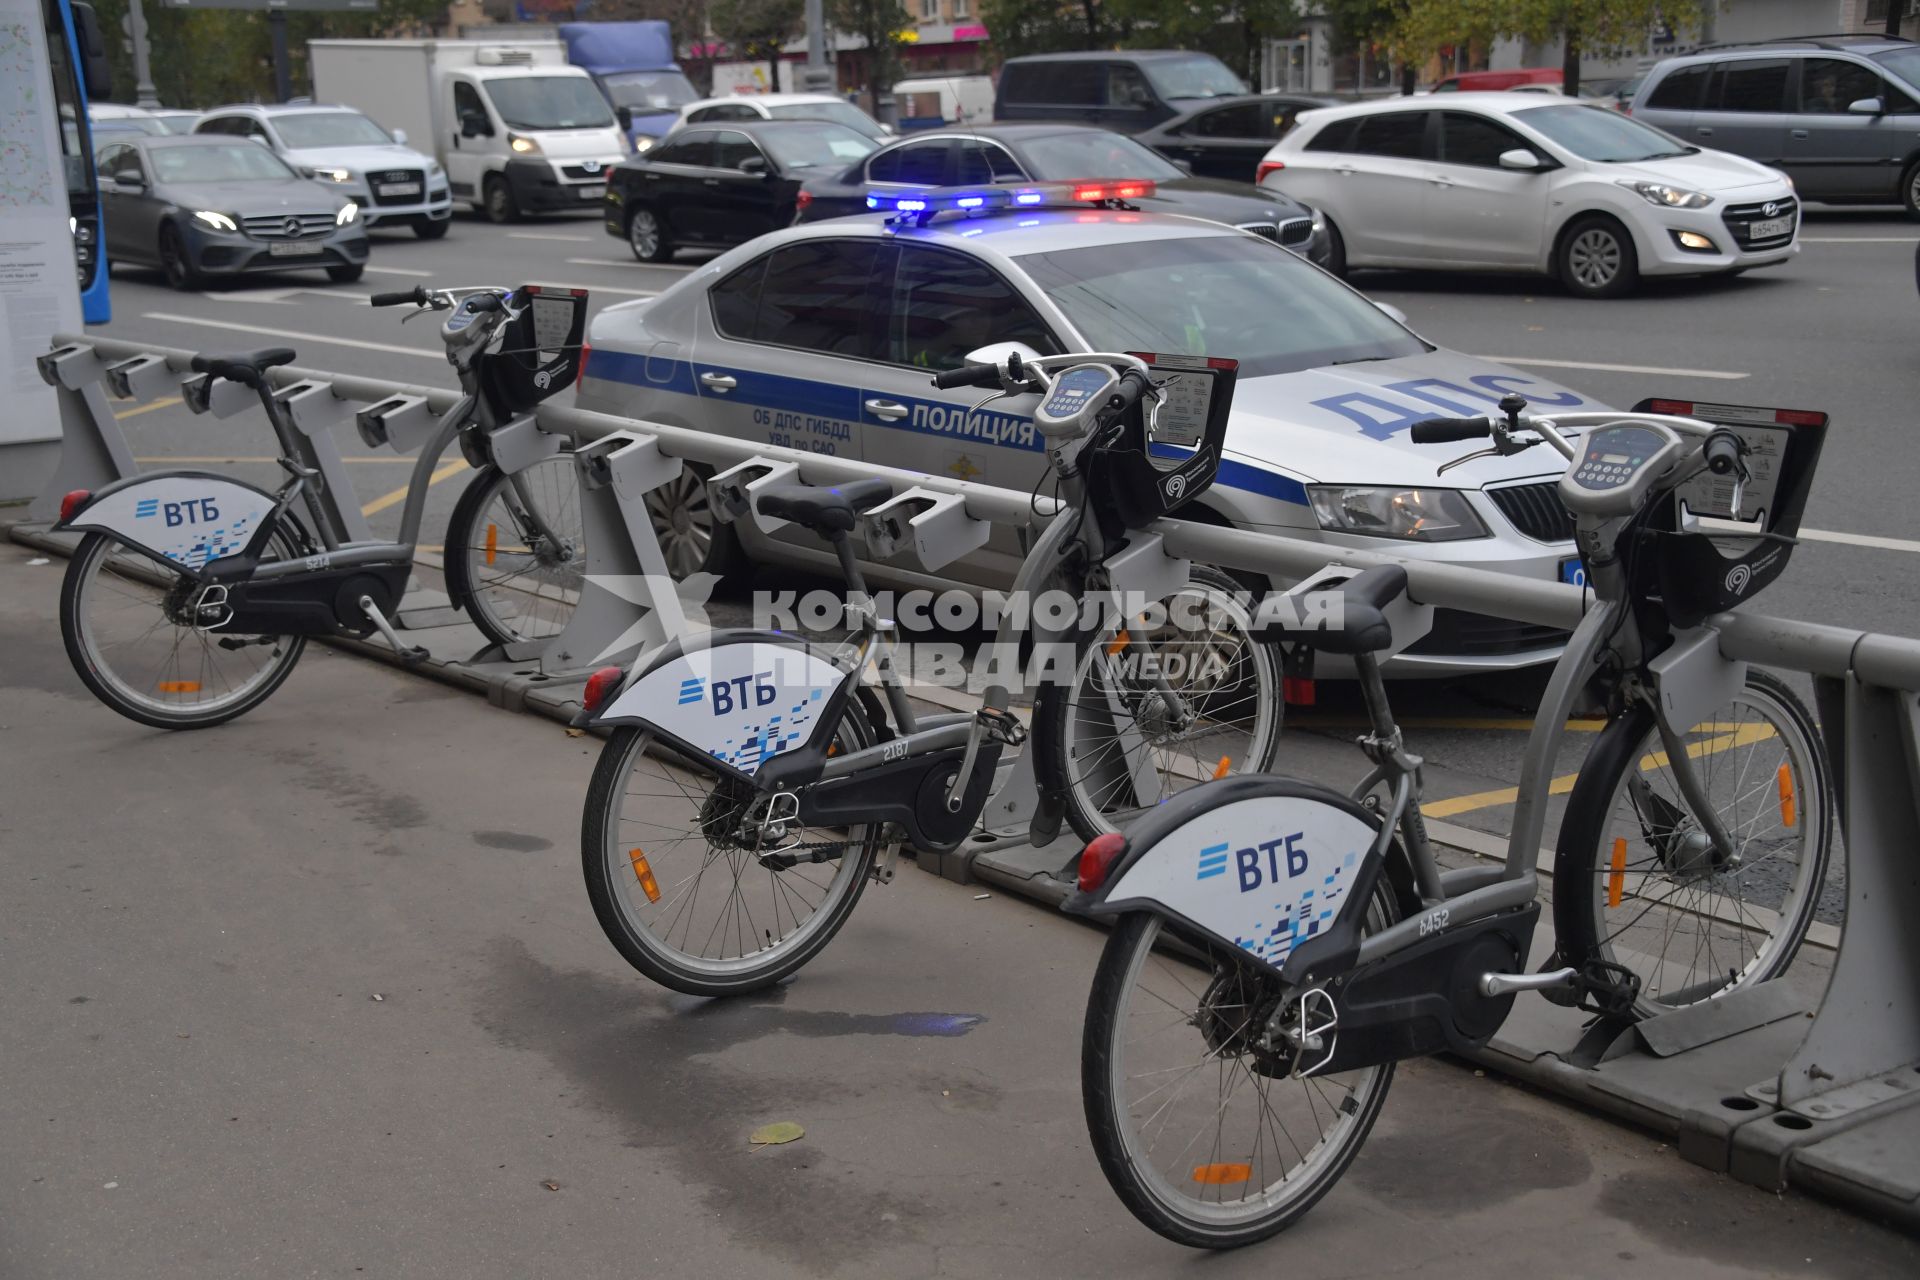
x,y
194,511
732,695
1256,864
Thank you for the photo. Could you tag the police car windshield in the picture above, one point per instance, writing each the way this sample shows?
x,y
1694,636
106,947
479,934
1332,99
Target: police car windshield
x,y
1092,153
1233,296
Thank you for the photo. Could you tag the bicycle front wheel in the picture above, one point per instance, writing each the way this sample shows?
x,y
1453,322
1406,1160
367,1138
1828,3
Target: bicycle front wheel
x,y
519,578
1151,713
1637,882
1203,1131
694,884
148,640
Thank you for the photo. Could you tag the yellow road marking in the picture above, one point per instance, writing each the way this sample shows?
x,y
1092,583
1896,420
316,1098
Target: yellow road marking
x,y
165,402
399,495
1443,722
204,459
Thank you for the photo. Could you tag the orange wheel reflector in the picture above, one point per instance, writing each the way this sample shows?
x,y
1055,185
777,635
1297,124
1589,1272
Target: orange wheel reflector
x,y
1222,1175
1118,642
1785,778
178,686
493,541
1220,770
644,874
1619,873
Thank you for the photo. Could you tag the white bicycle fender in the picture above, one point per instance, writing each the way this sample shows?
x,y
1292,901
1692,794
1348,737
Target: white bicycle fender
x,y
742,700
188,517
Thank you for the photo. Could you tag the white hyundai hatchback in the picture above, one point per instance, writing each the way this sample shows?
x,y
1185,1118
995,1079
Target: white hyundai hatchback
x,y
1508,182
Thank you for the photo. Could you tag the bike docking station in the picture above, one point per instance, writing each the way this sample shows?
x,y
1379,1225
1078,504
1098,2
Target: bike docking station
x,y
1776,1084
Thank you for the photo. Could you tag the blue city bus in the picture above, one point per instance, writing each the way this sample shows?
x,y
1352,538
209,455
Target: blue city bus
x,y
78,60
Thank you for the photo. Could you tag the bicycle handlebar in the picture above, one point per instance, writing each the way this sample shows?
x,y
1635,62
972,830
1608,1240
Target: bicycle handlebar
x,y
1722,453
968,375
1447,430
417,296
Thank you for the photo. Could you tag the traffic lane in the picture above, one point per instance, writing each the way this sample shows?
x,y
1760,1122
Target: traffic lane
x,y
197,1027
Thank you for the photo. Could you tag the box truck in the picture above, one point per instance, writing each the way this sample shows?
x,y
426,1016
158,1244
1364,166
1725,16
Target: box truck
x,y
517,129
633,64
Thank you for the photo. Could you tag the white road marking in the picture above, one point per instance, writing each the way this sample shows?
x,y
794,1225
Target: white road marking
x,y
1617,368
402,271
638,266
606,288
548,235
302,335
1860,239
1861,540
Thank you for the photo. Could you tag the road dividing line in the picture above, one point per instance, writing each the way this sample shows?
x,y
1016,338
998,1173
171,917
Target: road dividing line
x,y
1860,540
301,335
1860,239
402,271
163,403
1721,374
399,495
637,266
547,235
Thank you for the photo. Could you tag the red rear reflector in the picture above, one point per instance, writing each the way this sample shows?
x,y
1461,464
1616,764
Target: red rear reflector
x,y
1098,858
586,352
1266,167
1797,417
73,502
1297,690
599,685
1675,408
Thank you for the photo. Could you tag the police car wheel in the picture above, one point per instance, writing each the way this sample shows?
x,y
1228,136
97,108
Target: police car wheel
x,y
646,237
692,540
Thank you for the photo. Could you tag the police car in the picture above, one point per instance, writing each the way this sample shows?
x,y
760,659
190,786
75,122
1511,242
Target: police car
x,y
823,336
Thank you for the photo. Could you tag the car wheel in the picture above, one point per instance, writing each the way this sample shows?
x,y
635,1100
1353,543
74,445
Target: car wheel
x,y
1336,251
646,237
500,206
347,274
1597,260
1910,190
428,229
177,260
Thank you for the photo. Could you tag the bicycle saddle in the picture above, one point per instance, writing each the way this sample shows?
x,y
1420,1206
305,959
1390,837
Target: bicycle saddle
x,y
821,508
1345,618
243,367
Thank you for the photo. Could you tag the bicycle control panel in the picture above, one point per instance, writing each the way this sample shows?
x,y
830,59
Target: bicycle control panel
x,y
1616,467
1077,394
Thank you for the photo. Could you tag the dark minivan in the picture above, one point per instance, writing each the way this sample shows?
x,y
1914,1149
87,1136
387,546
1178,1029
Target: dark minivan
x,y
1126,90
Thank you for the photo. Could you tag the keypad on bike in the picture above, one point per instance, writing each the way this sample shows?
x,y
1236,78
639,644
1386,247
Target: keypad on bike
x,y
1615,455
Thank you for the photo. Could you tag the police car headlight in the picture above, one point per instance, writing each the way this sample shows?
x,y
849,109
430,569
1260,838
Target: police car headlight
x,y
1412,515
1665,196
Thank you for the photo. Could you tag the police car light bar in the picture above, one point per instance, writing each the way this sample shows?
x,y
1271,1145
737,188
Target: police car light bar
x,y
974,199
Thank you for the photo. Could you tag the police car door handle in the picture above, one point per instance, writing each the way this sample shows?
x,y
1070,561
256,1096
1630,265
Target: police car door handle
x,y
887,410
1796,133
718,382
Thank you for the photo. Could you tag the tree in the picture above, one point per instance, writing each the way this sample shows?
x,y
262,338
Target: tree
x,y
880,24
1420,28
1235,31
1021,27
756,29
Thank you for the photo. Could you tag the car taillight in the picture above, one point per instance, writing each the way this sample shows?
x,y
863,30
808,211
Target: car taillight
x,y
802,201
1267,167
599,685
73,502
1098,858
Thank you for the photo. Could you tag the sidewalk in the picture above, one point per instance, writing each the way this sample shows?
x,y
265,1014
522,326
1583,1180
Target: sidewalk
x,y
201,1083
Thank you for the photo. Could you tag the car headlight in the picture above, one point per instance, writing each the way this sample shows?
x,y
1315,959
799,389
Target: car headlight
x,y
349,213
643,144
1665,196
218,221
334,175
433,168
523,146
1412,515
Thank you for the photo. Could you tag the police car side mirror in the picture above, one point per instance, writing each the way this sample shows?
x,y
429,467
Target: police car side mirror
x,y
1393,313
996,353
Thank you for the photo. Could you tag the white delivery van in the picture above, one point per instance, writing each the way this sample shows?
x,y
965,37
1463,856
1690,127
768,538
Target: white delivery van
x,y
937,102
517,129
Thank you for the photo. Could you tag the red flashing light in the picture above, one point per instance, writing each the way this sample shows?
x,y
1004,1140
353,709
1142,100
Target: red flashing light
x,y
1266,167
1101,192
1098,858
599,685
73,502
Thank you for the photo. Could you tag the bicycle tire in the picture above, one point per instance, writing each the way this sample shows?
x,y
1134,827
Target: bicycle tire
x,y
539,588
1598,857
1147,1193
610,867
1063,764
87,651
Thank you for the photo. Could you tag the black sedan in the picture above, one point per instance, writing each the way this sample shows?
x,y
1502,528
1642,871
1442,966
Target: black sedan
x,y
1007,154
720,185
198,206
1230,137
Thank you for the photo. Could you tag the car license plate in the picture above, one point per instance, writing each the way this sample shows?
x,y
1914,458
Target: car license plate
x,y
397,189
1769,229
293,249
1574,572
593,191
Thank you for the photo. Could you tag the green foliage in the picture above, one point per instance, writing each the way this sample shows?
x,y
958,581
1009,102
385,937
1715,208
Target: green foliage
x,y
1416,29
755,29
880,24
1040,26
205,57
1235,31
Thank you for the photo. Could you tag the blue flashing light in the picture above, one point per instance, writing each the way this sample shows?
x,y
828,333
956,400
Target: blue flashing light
x,y
1028,197
969,202
910,206
873,202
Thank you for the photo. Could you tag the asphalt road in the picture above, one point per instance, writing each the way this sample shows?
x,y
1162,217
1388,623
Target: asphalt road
x,y
1834,330
318,993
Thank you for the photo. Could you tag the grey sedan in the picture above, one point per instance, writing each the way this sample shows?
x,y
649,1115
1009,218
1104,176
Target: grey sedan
x,y
197,207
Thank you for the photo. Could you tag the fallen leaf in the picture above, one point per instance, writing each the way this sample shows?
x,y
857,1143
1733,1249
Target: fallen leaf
x,y
772,1135
551,1185
39,560
576,733
378,996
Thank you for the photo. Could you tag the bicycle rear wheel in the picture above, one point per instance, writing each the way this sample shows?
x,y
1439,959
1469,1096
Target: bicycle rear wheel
x,y
685,875
1636,882
149,646
516,582
1203,1133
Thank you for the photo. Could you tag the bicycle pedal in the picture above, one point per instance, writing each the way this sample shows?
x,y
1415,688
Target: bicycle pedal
x,y
1003,725
1603,988
414,655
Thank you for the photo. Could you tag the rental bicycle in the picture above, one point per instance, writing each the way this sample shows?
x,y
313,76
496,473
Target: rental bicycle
x,y
754,782
1279,946
191,596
